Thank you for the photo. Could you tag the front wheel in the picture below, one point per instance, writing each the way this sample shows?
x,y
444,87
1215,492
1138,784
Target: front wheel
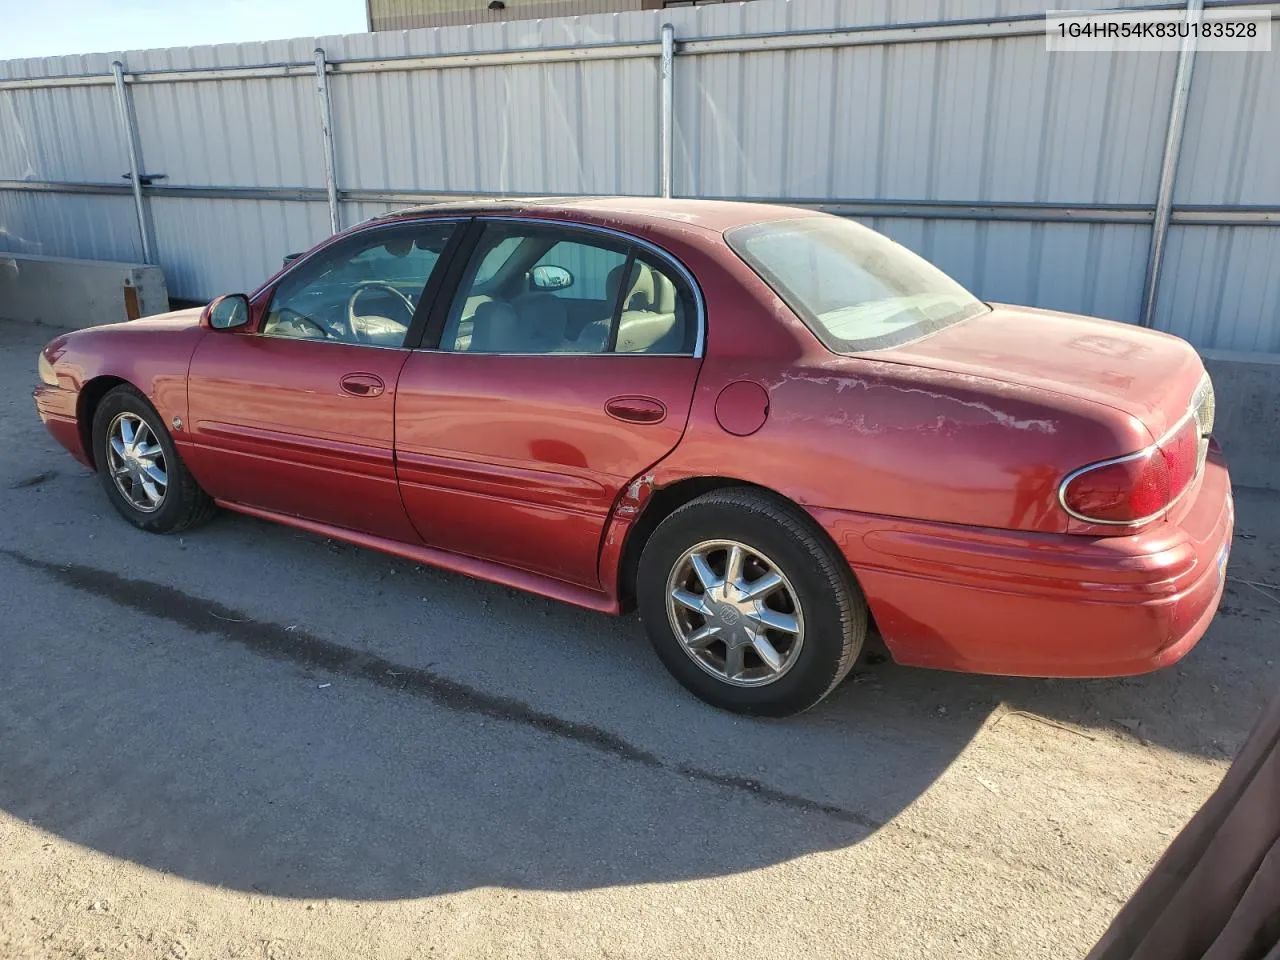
x,y
748,605
139,467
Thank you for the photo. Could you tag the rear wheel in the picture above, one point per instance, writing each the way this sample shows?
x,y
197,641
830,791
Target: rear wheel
x,y
139,467
748,605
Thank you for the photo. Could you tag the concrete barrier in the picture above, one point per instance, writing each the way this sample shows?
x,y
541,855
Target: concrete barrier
x,y
78,293
1247,421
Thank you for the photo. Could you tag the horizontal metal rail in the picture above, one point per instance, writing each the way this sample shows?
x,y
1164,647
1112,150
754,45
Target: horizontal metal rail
x,y
870,35
1035,212
168,190
503,58
1211,216
946,31
967,210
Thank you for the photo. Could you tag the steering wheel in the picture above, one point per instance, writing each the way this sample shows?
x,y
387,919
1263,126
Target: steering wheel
x,y
293,316
355,295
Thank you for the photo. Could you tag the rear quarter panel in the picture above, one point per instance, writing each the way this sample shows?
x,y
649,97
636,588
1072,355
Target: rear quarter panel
x,y
861,436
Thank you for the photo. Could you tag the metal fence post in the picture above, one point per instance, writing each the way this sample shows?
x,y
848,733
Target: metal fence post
x,y
130,129
326,129
668,107
1169,166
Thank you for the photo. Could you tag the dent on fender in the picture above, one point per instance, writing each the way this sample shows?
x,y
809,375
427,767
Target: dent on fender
x,y
635,496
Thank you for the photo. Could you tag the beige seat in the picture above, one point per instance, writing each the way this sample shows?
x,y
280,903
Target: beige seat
x,y
651,321
595,335
640,292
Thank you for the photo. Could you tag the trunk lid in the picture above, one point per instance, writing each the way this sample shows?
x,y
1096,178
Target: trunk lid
x,y
1141,372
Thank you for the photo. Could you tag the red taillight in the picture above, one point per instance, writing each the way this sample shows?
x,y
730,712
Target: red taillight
x,y
1138,487
1181,451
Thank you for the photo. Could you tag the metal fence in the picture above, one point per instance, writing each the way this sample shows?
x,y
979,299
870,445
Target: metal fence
x,y
1031,177
407,14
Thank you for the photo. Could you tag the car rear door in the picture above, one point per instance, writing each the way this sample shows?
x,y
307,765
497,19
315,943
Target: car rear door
x,y
535,403
296,414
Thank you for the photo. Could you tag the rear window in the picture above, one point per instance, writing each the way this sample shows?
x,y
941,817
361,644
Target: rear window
x,y
855,289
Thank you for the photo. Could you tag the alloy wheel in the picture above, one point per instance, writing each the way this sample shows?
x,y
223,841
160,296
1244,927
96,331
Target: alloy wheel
x,y
735,613
136,462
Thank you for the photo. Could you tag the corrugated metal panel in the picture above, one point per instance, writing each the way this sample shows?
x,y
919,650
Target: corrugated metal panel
x,y
69,133
968,121
552,128
63,133
978,120
1221,287
251,133
60,225
1231,153
220,246
1094,269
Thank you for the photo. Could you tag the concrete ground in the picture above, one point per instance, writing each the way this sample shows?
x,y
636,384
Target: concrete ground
x,y
250,742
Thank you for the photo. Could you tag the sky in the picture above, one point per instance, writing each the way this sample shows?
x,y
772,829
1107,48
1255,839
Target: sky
x,y
41,28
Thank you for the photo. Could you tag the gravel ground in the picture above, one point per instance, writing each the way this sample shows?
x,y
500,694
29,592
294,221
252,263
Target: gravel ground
x,y
251,742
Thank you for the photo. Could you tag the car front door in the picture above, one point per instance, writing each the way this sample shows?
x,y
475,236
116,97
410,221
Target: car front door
x,y
563,367
296,415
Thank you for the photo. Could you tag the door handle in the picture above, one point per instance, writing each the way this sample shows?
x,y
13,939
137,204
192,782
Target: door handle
x,y
362,385
636,409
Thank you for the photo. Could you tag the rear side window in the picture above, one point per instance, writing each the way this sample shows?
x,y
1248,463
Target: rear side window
x,y
536,288
854,288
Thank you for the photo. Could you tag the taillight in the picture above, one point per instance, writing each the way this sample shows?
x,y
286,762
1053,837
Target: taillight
x,y
1138,487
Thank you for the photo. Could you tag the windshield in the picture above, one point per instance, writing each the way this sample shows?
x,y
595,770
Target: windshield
x,y
855,289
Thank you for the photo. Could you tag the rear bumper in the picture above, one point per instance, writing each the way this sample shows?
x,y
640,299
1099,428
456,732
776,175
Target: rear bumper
x,y
57,409
1046,605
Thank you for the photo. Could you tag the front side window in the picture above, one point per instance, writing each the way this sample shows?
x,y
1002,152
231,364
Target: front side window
x,y
542,289
854,288
362,291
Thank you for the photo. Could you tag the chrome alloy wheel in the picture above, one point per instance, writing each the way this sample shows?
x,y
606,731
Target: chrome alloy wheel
x,y
735,613
136,462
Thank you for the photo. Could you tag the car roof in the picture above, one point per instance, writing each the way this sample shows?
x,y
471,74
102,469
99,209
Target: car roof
x,y
623,212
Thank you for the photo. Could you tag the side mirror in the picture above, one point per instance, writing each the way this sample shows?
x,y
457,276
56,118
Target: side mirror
x,y
227,312
549,278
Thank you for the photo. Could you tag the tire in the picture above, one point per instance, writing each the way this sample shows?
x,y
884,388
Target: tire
x,y
817,601
182,503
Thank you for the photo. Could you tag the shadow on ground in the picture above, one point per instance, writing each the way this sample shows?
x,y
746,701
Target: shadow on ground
x,y
189,736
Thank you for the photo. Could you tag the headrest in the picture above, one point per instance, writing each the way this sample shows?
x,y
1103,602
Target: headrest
x,y
640,288
664,293
398,246
493,327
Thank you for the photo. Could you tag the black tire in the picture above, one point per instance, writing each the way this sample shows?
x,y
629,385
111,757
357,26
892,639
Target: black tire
x,y
184,504
834,611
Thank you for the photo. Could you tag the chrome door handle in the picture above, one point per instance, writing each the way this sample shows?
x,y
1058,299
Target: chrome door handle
x,y
362,385
636,409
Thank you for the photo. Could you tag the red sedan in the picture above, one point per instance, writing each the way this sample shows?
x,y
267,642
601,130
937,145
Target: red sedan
x,y
765,427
